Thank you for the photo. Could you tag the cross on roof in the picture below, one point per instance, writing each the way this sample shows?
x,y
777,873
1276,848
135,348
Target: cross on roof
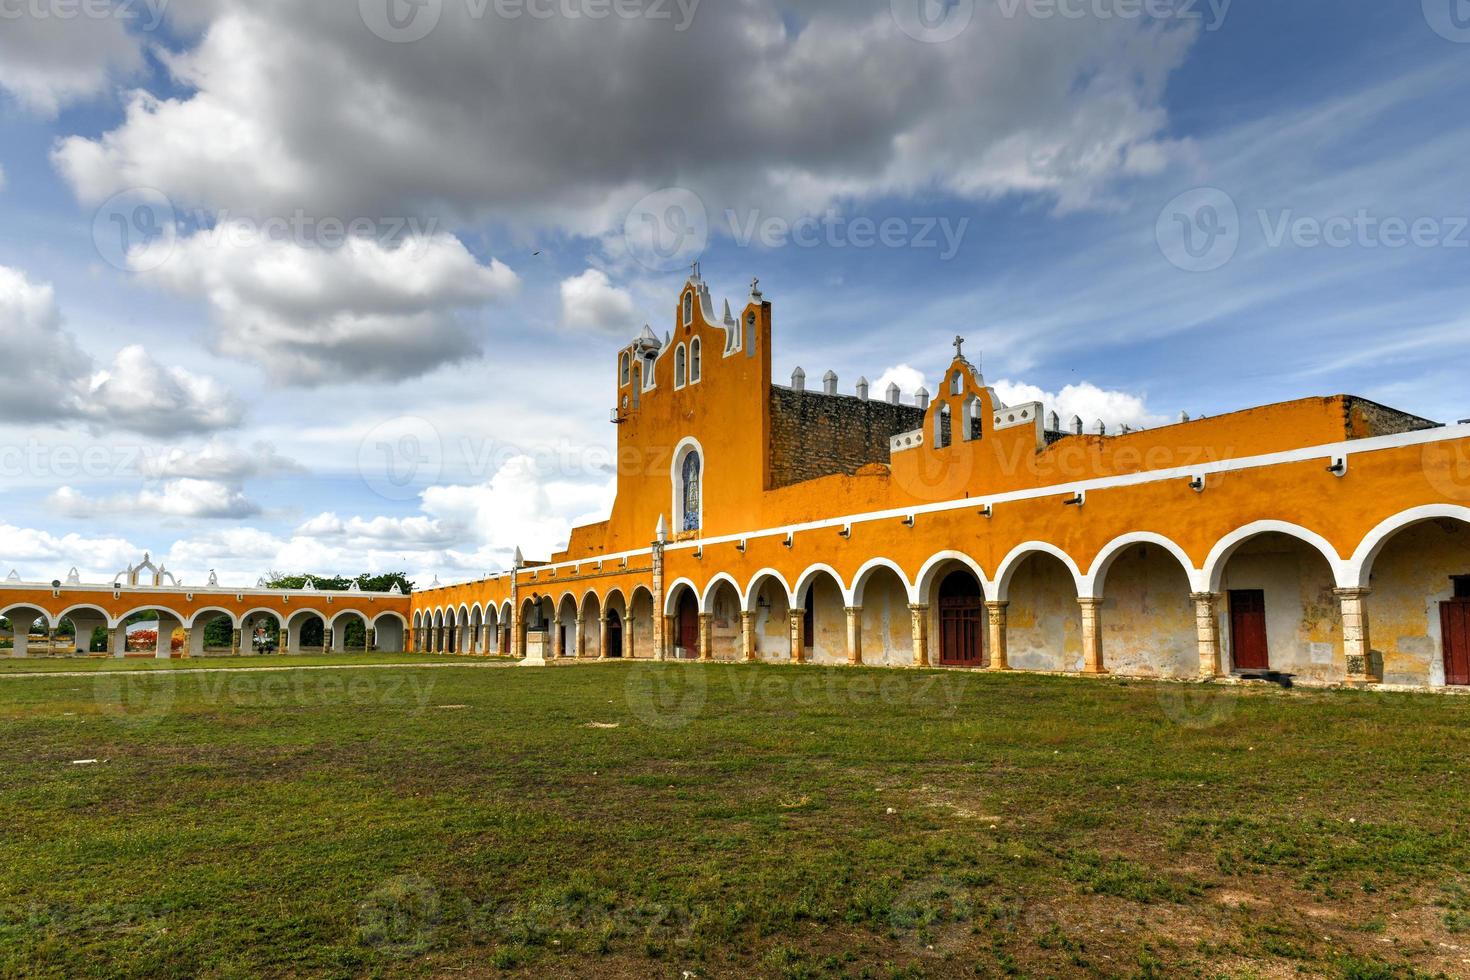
x,y
959,347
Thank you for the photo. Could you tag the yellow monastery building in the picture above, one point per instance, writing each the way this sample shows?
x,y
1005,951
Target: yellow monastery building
x,y
1327,539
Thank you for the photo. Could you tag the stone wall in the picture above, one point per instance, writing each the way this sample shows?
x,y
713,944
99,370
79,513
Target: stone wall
x,y
815,434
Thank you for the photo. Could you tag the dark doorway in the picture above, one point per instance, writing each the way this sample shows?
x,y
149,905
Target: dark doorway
x,y
614,636
1248,630
1455,617
961,622
688,625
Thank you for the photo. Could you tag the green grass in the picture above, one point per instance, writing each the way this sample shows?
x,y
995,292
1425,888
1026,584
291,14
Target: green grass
x,y
61,665
736,821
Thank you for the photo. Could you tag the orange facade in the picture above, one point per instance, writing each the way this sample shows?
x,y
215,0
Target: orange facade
x,y
1205,509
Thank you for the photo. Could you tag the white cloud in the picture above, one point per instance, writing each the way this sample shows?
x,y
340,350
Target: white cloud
x,y
366,310
777,113
53,381
591,302
217,460
2,178
188,499
1087,402
50,61
40,556
908,379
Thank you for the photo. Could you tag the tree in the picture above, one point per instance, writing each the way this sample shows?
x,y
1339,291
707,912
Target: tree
x,y
339,583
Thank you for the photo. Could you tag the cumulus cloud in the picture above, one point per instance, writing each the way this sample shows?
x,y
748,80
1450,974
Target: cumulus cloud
x,y
1085,401
364,309
908,379
777,108
40,556
591,302
53,379
218,460
50,61
187,499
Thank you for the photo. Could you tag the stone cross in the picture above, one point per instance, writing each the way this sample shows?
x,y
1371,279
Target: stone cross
x,y
959,347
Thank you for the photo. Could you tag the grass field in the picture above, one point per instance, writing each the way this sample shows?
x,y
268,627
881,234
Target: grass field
x,y
675,821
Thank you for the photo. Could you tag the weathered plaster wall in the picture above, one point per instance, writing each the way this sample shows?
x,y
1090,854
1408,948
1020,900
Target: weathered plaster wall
x,y
1148,616
887,624
1044,620
1303,620
1410,579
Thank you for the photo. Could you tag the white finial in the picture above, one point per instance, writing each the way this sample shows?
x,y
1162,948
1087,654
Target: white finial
x,y
213,578
1102,427
1183,416
798,380
1053,422
921,398
729,316
829,382
520,559
14,576
74,577
862,388
1077,425
661,533
893,394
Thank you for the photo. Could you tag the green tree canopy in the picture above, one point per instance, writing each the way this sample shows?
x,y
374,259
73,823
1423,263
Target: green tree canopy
x,y
340,583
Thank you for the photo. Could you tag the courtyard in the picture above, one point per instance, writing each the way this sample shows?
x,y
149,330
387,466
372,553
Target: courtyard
x,y
704,821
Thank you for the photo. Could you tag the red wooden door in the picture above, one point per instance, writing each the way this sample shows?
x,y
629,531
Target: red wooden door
x,y
614,637
689,625
1248,630
962,622
1455,617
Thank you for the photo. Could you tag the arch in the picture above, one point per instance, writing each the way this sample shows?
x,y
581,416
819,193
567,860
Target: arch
x,y
624,368
332,622
753,590
671,594
1214,570
390,614
1359,568
707,603
1020,553
865,574
1096,578
924,582
688,500
696,361
809,576
80,607
144,609
390,630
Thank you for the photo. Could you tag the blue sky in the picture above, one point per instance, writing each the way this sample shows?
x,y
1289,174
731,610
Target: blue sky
x,y
229,392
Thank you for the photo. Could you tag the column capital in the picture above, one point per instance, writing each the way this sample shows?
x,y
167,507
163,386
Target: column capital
x,y
1089,601
919,607
853,610
997,603
1353,593
1207,596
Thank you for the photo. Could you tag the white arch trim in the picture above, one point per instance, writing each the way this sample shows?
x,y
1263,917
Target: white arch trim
x,y
80,607
809,576
860,580
1020,553
263,611
390,614
1096,578
193,620
669,607
182,618
366,619
686,446
40,613
924,582
1214,570
1359,568
707,602
752,591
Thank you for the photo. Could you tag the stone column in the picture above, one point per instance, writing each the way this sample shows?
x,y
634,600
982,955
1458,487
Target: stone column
x,y
163,647
372,640
581,643
854,636
668,646
487,642
919,617
51,642
1207,631
283,641
185,650
747,637
706,637
1092,651
236,637
798,636
1357,639
602,634
117,642
663,633
558,645
999,643
329,640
